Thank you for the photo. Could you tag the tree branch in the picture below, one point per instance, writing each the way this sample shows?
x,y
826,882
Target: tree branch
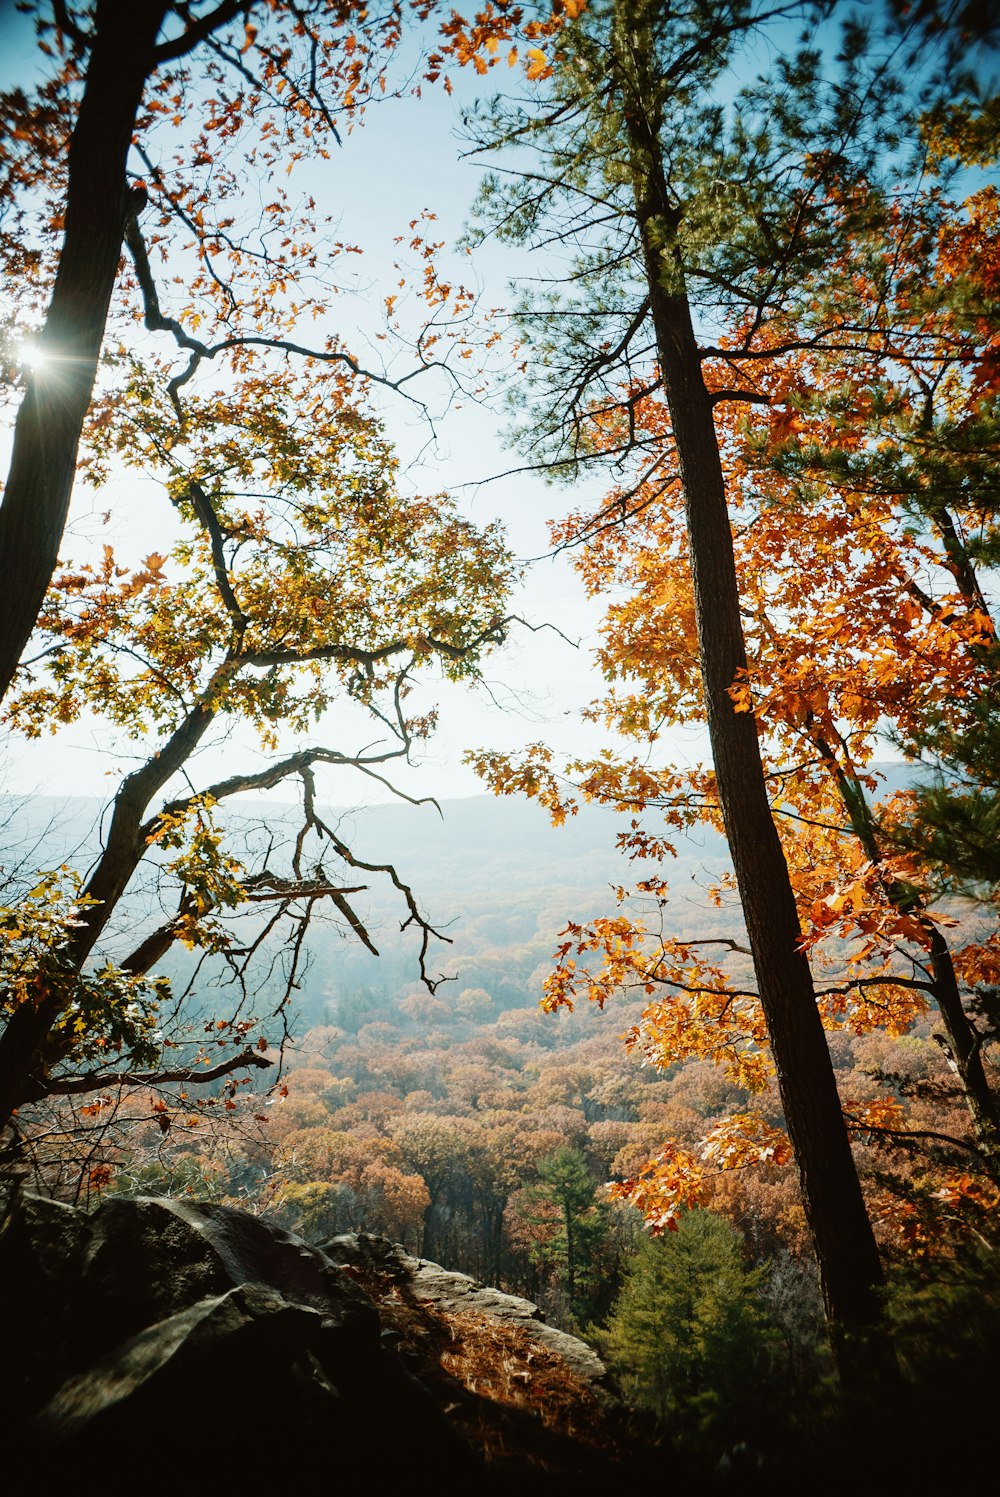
x,y
96,1081
858,1125
158,322
199,31
65,23
205,513
744,397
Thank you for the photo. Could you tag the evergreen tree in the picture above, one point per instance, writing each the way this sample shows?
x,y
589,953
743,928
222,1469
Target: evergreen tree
x,y
567,1197
688,1337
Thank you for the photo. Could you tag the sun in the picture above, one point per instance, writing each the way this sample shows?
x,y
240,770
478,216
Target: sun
x,y
33,357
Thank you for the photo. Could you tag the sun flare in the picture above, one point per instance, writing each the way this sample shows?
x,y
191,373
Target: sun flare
x,y
33,357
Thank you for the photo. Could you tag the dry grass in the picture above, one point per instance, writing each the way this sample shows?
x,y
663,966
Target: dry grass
x,y
509,1396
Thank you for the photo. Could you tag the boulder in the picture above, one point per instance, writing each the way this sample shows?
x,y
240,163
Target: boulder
x,y
160,1324
452,1293
159,1343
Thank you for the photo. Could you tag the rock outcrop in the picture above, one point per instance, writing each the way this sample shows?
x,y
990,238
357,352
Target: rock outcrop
x,y
180,1343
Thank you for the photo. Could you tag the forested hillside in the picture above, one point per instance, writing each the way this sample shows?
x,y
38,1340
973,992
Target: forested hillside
x,y
499,883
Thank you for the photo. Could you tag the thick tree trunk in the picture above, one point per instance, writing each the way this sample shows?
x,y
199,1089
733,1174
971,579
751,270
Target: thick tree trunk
x,y
49,422
849,1265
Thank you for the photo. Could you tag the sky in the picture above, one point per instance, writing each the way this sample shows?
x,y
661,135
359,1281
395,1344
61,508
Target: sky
x,y
403,159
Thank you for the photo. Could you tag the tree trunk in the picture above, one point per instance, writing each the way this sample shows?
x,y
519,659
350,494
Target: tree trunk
x,y
49,422
961,1043
25,1054
849,1265
963,1049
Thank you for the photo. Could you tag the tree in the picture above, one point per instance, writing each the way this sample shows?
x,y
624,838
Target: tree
x,y
98,100
264,614
294,573
876,457
122,54
948,449
668,206
688,1336
567,1226
263,82
829,555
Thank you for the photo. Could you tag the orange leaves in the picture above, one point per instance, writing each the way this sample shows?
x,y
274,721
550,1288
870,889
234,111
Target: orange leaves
x,y
669,1184
695,1010
676,1179
100,1176
962,1189
745,1139
479,42
537,66
784,423
977,959
939,1215
883,1114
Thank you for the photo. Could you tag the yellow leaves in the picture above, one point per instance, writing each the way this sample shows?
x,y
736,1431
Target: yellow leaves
x,y
963,133
402,568
694,1011
851,900
532,776
536,66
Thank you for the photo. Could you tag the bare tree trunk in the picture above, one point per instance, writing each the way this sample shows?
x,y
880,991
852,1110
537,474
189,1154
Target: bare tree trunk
x,y
849,1264
47,434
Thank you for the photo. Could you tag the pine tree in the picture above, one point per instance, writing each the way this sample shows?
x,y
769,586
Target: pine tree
x,y
689,1337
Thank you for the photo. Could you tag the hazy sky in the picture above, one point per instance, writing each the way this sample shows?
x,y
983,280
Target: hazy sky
x,y
402,160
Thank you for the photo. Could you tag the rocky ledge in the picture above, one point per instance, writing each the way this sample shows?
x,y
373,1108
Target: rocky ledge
x,y
171,1342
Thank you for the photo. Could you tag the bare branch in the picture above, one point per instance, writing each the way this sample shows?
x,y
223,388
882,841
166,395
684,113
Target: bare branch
x,y
199,31
414,917
157,321
209,519
96,1081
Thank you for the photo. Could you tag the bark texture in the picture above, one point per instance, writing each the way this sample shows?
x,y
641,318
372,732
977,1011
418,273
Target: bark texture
x,y
850,1268
50,420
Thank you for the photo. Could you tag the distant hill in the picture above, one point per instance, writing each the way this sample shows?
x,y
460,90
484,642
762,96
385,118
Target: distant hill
x,y
494,875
